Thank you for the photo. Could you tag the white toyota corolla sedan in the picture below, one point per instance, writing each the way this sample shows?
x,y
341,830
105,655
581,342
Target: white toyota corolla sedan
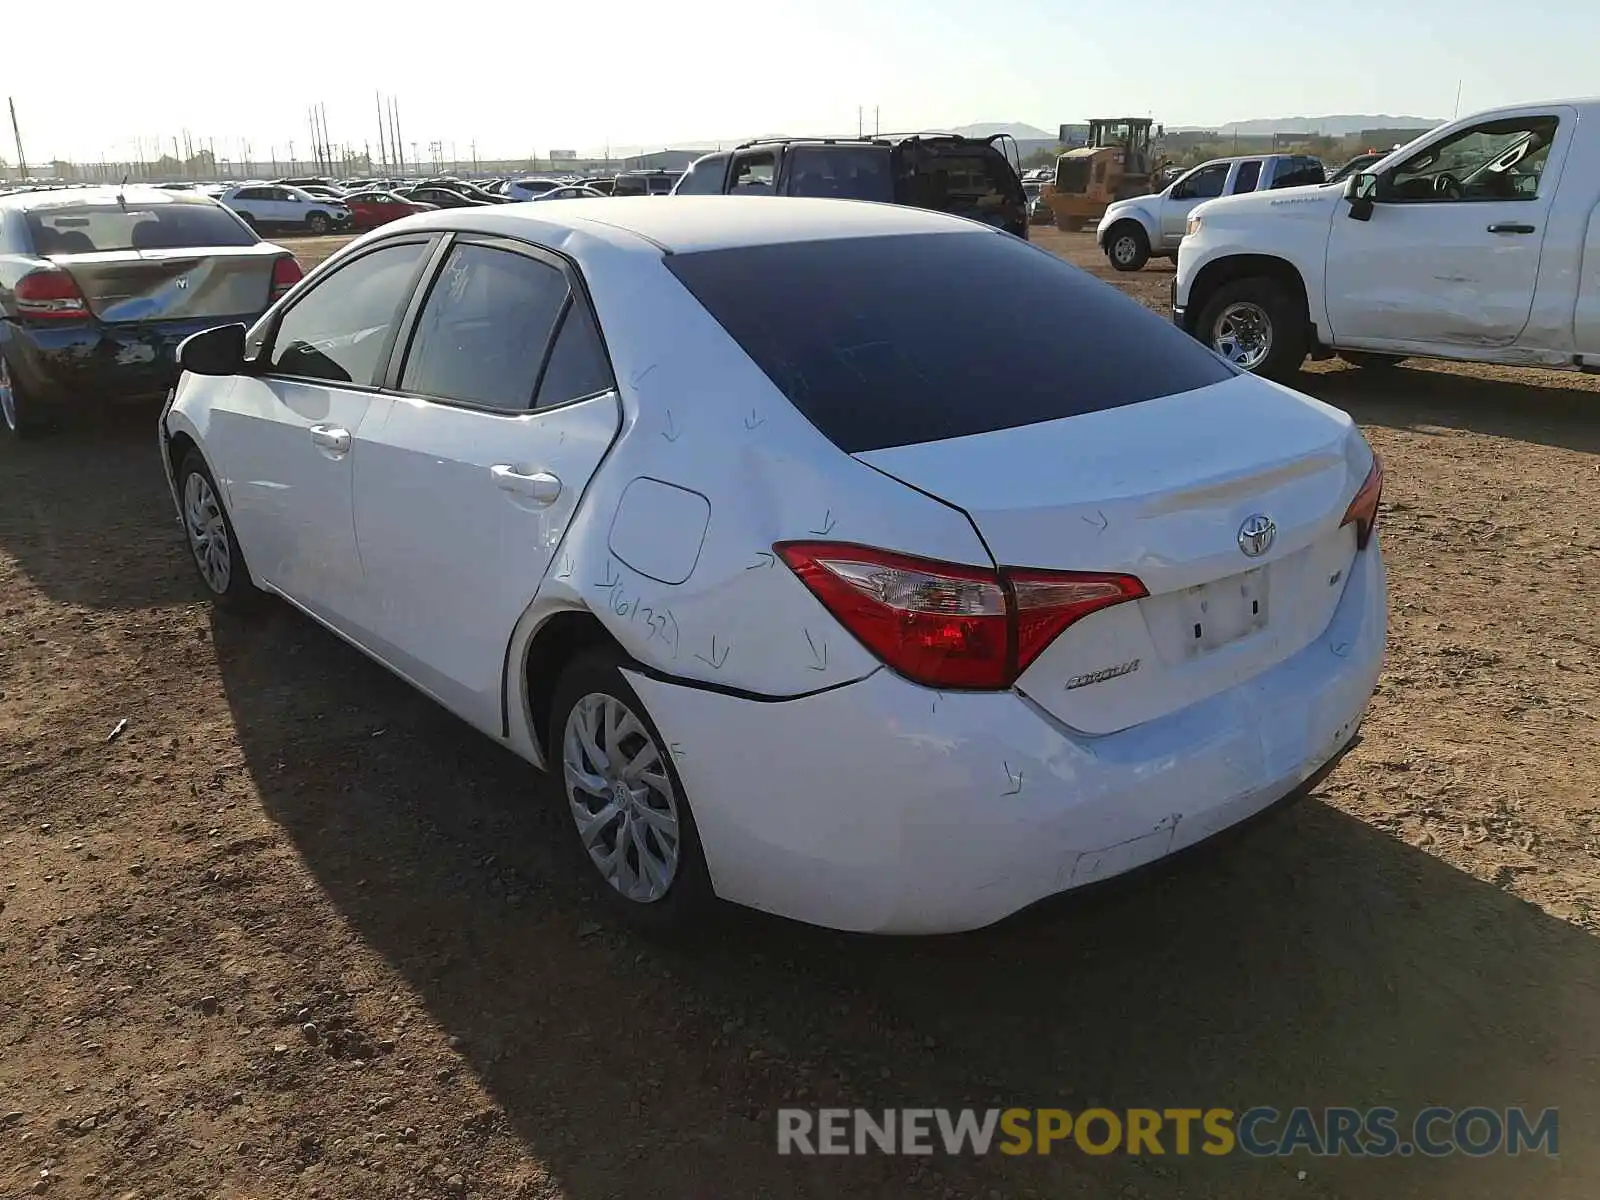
x,y
852,562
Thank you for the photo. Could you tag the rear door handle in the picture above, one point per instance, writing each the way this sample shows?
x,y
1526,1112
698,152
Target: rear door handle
x,y
331,437
541,487
1511,227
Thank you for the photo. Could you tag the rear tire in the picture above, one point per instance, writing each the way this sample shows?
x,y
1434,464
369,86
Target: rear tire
x,y
1127,246
632,829
317,223
1370,362
212,542
21,413
1255,325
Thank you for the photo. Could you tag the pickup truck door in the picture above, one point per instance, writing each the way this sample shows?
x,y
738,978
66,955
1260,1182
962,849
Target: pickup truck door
x,y
1451,254
1204,183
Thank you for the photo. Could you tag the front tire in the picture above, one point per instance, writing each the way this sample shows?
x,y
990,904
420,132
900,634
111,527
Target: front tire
x,y
1127,246
212,541
631,823
317,223
1256,326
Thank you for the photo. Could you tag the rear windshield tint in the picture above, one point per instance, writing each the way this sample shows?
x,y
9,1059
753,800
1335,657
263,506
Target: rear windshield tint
x,y
889,341
101,228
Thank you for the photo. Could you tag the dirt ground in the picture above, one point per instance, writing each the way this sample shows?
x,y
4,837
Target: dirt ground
x,y
295,932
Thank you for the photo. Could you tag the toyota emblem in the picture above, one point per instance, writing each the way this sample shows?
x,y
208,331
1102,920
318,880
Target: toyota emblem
x,y
1257,534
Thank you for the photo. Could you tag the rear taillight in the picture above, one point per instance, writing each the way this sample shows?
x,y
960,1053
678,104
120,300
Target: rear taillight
x,y
50,293
285,274
1363,510
948,625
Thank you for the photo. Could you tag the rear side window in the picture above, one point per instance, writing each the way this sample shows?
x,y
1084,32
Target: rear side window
x,y
628,186
890,341
841,173
578,365
485,327
101,228
1248,175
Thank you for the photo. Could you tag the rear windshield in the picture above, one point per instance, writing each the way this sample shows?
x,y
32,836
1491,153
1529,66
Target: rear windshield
x,y
99,228
889,341
971,181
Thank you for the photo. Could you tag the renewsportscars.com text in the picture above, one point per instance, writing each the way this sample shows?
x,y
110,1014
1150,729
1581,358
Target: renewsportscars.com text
x,y
1433,1132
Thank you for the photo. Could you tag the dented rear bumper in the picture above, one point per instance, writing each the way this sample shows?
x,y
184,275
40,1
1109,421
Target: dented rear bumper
x,y
885,807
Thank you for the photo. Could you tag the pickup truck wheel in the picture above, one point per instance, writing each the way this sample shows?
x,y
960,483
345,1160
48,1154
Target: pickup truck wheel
x,y
1256,327
317,223
1127,246
1370,362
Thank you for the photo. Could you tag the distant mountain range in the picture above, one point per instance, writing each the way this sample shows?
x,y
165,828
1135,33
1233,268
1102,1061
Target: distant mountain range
x,y
1341,125
1031,136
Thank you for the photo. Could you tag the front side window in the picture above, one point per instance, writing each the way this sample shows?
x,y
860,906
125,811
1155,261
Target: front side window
x,y
1203,183
754,172
1497,160
339,328
704,177
484,330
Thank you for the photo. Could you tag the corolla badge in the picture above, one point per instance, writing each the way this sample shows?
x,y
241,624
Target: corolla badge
x,y
1257,534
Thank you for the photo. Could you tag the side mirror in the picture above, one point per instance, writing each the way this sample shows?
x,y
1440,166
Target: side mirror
x,y
217,351
1361,191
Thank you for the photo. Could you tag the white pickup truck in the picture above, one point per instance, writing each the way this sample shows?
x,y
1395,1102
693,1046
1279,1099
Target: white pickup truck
x,y
1135,229
1479,241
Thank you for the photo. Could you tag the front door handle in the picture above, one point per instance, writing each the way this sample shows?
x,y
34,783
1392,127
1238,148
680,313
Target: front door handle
x,y
331,437
541,487
1512,227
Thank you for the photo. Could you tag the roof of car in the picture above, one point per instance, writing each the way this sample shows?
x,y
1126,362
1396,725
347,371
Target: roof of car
x,y
73,196
682,224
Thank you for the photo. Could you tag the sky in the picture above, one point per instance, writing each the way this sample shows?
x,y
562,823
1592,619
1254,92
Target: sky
x,y
520,79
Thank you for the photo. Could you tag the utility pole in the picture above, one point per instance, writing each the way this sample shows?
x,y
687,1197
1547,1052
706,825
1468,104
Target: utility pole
x,y
874,120
396,156
327,145
292,163
383,150
859,129
16,132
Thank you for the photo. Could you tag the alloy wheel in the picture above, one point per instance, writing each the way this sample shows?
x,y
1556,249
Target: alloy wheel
x,y
208,532
622,798
8,397
1243,335
1124,250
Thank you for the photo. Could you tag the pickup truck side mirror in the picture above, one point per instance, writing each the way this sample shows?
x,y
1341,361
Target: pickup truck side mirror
x,y
1361,191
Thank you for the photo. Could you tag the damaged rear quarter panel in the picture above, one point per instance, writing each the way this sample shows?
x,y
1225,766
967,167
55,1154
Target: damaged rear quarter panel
x,y
699,415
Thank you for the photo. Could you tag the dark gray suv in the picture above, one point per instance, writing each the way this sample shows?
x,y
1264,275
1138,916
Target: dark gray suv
x,y
947,172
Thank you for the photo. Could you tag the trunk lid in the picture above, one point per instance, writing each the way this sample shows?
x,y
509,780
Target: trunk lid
x,y
1163,490
124,286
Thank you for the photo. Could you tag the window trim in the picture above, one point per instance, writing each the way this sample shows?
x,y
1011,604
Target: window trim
x,y
1384,193
275,318
577,291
